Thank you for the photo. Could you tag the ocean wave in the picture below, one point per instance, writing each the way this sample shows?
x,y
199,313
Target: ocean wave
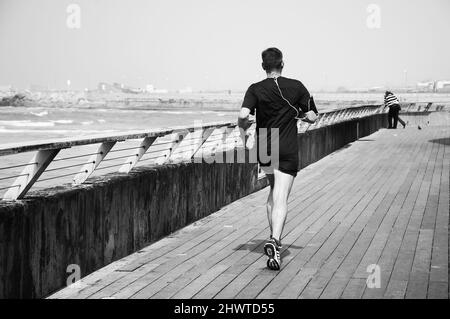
x,y
177,112
71,132
27,123
40,114
181,112
63,121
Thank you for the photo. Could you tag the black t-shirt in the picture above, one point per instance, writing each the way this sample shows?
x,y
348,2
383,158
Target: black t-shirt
x,y
272,111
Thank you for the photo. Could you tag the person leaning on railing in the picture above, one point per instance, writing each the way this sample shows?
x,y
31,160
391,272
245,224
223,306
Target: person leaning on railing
x,y
391,101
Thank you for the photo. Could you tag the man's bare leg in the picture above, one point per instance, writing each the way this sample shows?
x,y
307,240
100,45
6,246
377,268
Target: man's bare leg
x,y
281,190
279,195
269,204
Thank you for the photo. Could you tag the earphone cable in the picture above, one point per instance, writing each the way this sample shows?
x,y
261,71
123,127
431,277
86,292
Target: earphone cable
x,y
282,96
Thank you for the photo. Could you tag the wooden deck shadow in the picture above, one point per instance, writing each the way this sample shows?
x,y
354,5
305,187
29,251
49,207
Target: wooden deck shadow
x,y
444,141
257,245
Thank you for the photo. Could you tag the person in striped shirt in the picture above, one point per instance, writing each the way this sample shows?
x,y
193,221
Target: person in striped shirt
x,y
391,101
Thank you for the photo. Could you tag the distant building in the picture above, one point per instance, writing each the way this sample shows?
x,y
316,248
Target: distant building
x,y
377,89
426,86
5,88
163,91
185,90
38,88
107,88
443,86
149,88
433,86
102,86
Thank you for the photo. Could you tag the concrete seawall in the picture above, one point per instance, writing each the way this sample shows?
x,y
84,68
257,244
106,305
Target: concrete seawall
x,y
113,216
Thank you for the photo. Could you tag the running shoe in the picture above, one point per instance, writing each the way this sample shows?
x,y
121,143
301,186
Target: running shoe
x,y
279,243
272,250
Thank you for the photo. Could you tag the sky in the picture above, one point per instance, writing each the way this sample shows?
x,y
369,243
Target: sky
x,y
215,45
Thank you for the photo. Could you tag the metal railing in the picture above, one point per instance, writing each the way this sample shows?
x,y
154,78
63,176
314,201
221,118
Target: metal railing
x,y
74,160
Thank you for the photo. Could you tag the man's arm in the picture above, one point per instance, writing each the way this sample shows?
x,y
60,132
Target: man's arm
x,y
248,107
303,102
243,118
244,124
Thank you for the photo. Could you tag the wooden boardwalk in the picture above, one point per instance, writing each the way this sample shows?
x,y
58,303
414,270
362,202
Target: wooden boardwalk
x,y
382,201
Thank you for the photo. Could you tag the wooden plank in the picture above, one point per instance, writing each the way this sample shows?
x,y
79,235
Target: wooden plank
x,y
396,289
167,266
190,290
388,259
109,290
360,217
171,268
354,289
403,203
215,286
350,257
421,265
440,254
405,258
199,263
438,290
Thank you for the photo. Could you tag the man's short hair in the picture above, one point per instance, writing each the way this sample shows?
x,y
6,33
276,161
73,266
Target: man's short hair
x,y
272,59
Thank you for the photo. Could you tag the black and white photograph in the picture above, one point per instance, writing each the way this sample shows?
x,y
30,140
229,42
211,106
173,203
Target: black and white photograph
x,y
226,158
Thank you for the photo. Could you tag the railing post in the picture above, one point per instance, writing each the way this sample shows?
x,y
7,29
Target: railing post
x,y
205,135
319,121
30,174
93,163
176,141
333,117
348,114
342,115
226,134
134,159
211,157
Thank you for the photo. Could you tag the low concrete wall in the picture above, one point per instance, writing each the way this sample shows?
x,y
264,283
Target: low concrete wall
x,y
95,224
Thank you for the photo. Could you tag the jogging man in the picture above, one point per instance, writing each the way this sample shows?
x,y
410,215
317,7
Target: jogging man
x,y
278,102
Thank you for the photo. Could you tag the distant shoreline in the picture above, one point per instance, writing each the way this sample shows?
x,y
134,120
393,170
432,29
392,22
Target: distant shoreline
x,y
222,102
